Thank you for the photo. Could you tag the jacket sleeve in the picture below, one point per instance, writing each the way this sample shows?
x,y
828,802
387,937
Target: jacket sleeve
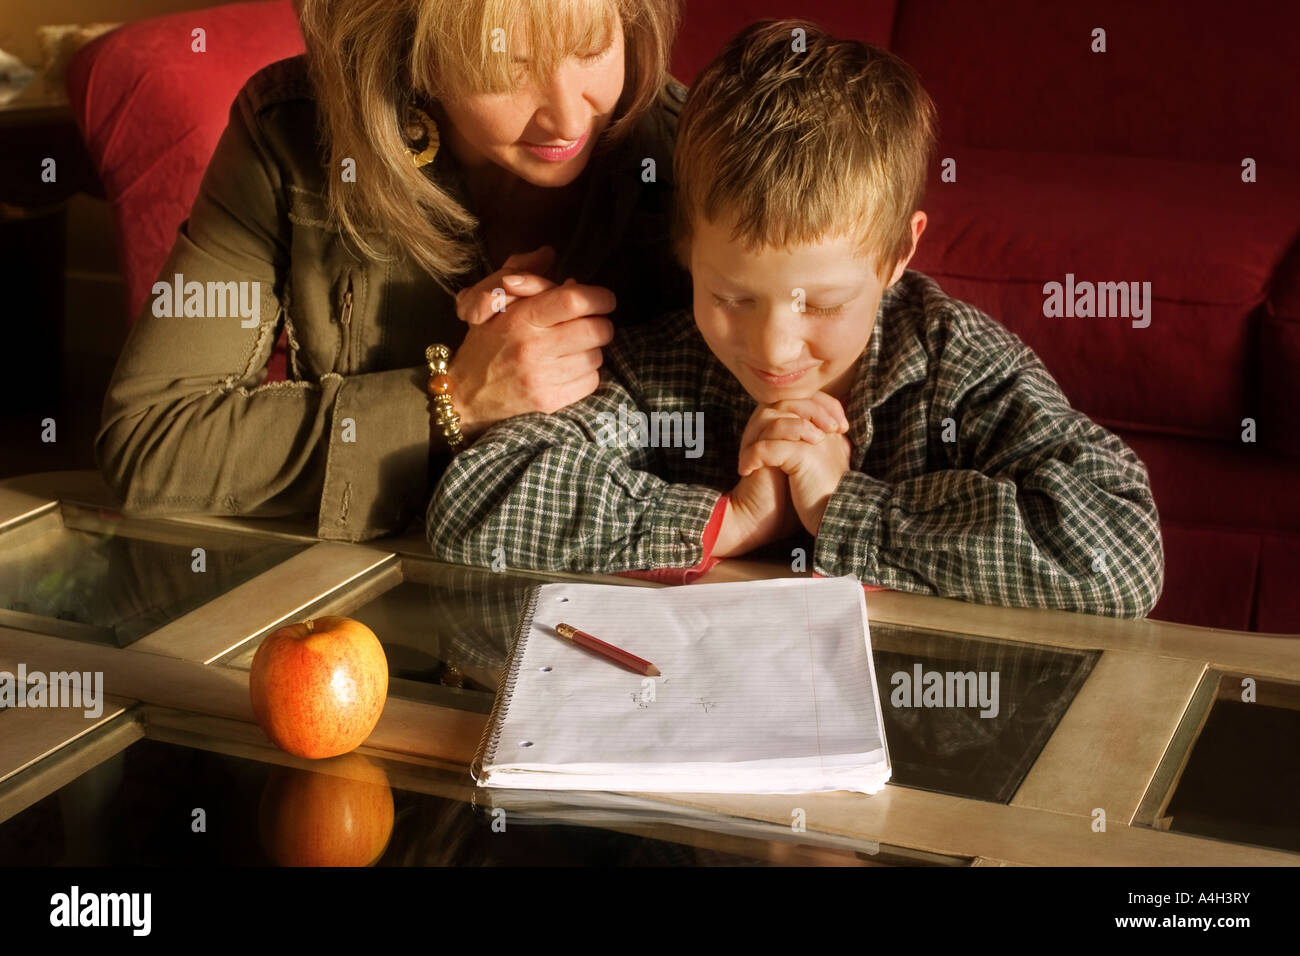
x,y
1039,507
187,424
562,492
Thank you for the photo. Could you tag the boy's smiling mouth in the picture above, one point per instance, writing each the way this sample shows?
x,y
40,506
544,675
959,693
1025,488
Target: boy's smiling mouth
x,y
779,380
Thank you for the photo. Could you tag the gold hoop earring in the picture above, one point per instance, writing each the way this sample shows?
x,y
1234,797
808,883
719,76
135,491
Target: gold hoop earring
x,y
422,157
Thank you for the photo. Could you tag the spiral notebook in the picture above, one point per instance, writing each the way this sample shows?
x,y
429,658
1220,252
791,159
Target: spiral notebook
x,y
765,687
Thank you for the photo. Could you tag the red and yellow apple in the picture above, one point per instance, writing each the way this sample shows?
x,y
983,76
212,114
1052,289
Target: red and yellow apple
x,y
318,687
338,813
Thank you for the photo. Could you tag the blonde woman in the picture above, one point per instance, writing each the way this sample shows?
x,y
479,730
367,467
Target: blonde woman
x,y
364,197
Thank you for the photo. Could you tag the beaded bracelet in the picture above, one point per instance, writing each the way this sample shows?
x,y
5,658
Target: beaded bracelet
x,y
440,391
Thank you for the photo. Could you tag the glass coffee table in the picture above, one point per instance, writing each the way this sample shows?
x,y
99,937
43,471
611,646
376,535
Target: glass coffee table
x,y
1112,742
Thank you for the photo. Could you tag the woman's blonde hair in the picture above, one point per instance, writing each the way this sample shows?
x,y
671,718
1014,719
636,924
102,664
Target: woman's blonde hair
x,y
792,135
372,61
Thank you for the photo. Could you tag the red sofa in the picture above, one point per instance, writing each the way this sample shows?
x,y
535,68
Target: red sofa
x,y
1115,166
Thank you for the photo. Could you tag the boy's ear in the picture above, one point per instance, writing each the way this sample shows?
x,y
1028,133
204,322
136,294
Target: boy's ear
x,y
919,219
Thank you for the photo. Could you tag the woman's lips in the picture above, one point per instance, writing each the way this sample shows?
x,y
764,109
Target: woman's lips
x,y
556,154
789,378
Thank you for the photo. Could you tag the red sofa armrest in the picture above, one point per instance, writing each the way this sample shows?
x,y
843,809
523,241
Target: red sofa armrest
x,y
151,108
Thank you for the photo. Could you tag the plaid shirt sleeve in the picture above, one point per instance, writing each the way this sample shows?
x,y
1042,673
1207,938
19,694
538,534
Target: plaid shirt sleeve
x,y
560,492
1034,506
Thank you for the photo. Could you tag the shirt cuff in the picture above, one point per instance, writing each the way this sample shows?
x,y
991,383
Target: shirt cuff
x,y
707,540
378,464
851,534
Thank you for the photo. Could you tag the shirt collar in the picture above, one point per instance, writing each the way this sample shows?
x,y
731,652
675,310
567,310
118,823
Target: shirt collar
x,y
894,358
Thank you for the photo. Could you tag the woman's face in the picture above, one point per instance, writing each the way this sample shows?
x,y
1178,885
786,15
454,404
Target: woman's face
x,y
544,134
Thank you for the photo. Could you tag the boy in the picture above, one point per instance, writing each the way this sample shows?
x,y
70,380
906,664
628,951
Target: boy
x,y
923,446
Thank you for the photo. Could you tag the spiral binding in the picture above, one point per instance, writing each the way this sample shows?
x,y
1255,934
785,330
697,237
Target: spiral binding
x,y
487,745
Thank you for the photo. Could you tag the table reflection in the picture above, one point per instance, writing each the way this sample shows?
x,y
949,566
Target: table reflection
x,y
222,809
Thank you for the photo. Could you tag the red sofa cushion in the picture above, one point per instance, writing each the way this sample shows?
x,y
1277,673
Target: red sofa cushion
x,y
1279,365
1277,597
1231,525
1211,577
1208,243
1220,484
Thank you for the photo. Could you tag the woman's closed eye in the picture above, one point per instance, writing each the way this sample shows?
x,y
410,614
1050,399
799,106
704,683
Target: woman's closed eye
x,y
520,64
597,56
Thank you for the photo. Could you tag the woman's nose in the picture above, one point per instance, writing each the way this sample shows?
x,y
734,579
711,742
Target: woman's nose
x,y
563,113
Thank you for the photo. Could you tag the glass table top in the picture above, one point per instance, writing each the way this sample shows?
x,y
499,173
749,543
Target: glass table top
x,y
226,807
88,575
1242,775
980,750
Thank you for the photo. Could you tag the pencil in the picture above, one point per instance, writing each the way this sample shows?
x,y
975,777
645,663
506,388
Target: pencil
x,y
583,639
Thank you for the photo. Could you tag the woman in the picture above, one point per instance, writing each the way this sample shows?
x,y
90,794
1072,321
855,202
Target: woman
x,y
419,149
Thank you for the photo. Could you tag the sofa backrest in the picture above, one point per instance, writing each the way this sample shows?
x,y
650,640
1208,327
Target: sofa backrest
x,y
1126,165
1180,79
706,25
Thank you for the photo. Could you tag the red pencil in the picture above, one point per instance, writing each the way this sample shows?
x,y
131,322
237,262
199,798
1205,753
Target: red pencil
x,y
571,633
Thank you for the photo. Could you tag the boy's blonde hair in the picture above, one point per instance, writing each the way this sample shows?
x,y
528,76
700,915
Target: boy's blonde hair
x,y
796,138
372,61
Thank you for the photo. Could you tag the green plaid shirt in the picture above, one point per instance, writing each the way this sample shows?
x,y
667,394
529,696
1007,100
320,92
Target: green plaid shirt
x,y
1027,503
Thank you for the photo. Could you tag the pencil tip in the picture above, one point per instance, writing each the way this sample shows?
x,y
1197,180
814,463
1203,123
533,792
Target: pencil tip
x,y
653,671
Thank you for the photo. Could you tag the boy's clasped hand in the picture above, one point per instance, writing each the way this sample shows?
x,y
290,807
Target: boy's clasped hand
x,y
792,456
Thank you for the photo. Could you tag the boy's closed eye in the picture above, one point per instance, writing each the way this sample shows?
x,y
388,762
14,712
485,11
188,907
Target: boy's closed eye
x,y
726,303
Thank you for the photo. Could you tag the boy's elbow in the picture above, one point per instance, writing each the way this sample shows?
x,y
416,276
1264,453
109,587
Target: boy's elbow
x,y
1139,577
457,534
1135,602
1150,581
445,542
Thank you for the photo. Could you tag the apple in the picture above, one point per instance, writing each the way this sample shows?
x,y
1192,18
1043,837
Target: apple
x,y
338,813
318,687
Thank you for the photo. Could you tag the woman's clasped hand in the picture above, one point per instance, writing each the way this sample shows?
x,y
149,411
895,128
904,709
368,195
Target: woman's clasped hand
x,y
531,346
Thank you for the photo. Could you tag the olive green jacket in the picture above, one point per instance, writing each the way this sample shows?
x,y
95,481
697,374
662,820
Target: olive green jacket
x,y
189,426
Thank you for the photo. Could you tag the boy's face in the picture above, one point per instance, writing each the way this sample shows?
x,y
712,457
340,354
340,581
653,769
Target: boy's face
x,y
745,308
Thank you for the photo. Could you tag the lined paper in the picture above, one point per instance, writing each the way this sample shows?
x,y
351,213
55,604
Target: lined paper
x,y
766,687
